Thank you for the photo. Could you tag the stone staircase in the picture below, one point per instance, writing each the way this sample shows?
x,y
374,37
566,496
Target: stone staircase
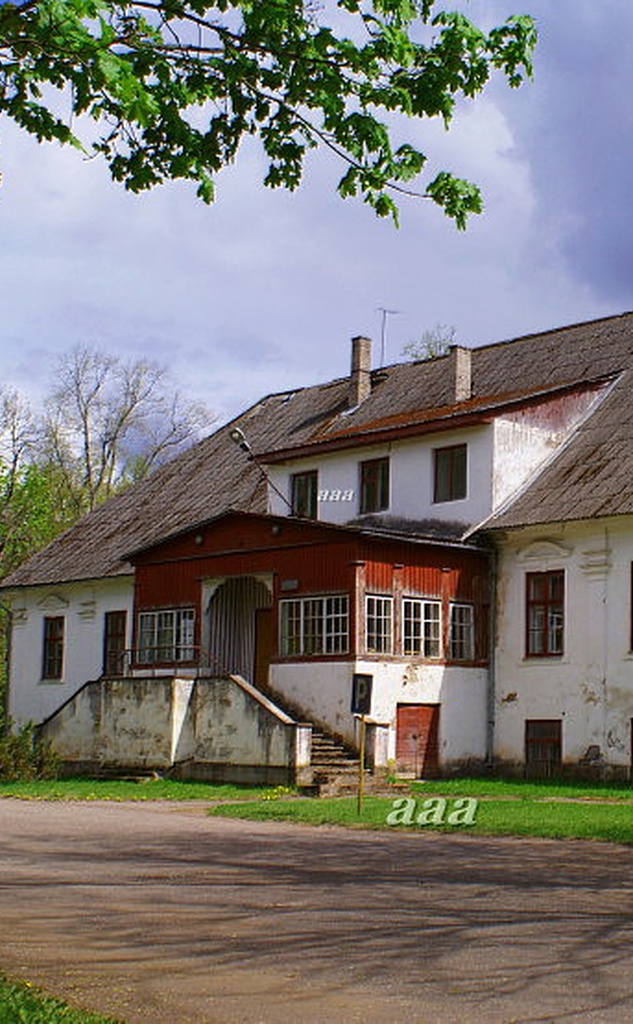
x,y
335,765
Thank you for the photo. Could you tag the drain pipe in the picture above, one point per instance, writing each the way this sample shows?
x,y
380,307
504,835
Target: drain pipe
x,y
491,687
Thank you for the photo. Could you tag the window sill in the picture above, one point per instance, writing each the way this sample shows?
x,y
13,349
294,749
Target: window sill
x,y
545,659
285,659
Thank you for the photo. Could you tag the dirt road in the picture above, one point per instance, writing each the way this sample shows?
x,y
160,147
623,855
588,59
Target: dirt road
x,y
156,913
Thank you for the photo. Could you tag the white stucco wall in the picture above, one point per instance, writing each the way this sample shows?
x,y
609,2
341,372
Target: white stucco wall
x,y
83,606
526,437
324,691
411,478
520,448
590,687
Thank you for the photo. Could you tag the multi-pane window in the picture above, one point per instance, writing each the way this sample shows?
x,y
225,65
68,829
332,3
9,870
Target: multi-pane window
x,y
461,632
314,625
166,636
421,627
450,473
53,651
374,485
545,613
304,494
291,627
378,625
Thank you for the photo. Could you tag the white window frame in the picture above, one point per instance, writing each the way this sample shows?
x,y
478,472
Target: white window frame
x,y
378,624
313,626
166,635
461,632
422,627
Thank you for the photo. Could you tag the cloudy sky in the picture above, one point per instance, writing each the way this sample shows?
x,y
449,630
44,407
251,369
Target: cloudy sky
x,y
263,290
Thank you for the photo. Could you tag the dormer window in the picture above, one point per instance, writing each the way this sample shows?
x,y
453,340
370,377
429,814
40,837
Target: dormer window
x,y
374,485
450,467
304,494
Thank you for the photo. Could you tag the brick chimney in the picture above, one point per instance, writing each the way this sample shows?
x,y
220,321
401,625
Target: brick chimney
x,y
461,372
360,378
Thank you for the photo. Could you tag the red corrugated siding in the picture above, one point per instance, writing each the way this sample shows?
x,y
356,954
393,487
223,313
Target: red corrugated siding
x,y
315,568
162,586
311,561
431,572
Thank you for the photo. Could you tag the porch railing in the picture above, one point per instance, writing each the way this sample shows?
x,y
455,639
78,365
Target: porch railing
x,y
161,660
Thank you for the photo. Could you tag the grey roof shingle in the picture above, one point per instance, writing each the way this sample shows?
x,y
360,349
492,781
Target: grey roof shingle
x,y
591,476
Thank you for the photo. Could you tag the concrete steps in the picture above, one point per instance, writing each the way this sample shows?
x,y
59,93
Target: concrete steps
x,y
334,763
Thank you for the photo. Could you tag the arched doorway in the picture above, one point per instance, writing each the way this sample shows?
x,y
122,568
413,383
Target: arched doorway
x,y
239,628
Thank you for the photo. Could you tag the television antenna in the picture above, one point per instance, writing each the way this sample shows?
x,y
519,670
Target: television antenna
x,y
383,330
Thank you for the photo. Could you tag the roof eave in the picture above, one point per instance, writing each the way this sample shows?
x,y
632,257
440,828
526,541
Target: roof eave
x,y
454,418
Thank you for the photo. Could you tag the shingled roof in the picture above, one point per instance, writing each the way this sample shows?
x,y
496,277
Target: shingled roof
x,y
591,476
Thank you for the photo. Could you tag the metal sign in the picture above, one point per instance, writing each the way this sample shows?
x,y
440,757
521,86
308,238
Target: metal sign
x,y
361,693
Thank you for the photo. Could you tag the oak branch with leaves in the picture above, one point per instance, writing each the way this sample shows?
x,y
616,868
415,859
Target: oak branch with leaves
x,y
175,86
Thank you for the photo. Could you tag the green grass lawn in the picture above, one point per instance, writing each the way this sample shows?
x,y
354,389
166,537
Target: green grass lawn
x,y
537,814
121,789
20,1003
525,789
561,810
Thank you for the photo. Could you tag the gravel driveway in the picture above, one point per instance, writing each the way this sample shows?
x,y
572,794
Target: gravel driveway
x,y
157,913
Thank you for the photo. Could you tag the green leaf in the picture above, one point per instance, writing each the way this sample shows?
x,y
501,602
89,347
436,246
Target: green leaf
x,y
175,91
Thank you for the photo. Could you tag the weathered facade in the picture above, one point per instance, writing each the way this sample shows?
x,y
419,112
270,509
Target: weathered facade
x,y
289,607
459,530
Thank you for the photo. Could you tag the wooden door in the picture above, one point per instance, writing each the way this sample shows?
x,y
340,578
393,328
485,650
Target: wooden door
x,y
417,727
264,639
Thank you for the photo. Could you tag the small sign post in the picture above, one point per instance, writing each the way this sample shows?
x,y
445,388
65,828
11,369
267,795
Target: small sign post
x,y
361,704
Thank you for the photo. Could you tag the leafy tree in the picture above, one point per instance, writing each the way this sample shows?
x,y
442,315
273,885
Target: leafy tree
x,y
108,423
432,343
175,86
34,509
31,512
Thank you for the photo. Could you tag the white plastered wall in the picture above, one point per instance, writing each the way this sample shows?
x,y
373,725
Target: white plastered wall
x,y
83,606
323,691
590,687
411,478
